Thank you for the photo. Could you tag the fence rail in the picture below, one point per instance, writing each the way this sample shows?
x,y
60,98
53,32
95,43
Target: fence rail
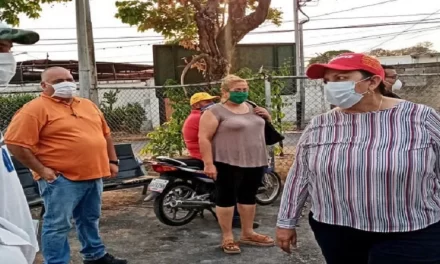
x,y
143,114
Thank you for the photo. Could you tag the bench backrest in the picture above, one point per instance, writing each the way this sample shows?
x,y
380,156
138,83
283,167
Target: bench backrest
x,y
129,166
30,186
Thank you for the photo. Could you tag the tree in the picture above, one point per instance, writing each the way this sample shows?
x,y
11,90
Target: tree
x,y
420,48
10,10
327,56
212,27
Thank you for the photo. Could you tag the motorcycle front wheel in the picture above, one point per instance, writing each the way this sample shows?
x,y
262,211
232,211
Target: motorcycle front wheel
x,y
271,189
167,214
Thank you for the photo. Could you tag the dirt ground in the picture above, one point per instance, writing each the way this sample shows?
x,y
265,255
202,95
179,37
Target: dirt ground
x,y
130,230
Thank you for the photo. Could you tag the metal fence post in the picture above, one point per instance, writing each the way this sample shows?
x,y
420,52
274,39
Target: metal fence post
x,y
268,96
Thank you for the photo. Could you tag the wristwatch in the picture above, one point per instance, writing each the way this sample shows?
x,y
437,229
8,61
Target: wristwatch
x,y
115,162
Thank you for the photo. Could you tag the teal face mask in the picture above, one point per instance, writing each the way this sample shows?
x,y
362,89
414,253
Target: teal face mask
x,y
238,97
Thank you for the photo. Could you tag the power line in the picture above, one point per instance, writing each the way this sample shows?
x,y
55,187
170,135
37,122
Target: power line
x,y
370,17
264,25
394,37
75,64
74,28
409,22
310,45
141,38
356,32
369,37
345,18
105,48
354,8
96,42
108,38
375,25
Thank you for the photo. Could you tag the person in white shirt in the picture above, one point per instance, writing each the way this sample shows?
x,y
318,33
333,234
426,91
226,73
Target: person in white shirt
x,y
18,240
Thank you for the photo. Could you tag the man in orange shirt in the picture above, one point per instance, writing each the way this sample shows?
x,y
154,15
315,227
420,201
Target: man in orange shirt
x,y
66,142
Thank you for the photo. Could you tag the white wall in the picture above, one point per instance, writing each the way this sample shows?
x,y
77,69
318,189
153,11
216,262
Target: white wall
x,y
394,60
407,59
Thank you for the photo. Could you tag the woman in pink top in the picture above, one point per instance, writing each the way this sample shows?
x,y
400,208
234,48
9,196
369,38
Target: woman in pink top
x,y
234,153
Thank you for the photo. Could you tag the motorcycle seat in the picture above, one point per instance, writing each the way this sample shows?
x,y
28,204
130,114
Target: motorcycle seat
x,y
191,162
188,161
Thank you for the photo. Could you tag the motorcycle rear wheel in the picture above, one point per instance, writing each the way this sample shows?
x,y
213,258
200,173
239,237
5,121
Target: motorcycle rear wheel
x,y
271,181
160,207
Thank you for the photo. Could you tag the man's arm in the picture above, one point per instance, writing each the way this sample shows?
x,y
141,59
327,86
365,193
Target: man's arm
x,y
111,152
25,156
21,137
111,148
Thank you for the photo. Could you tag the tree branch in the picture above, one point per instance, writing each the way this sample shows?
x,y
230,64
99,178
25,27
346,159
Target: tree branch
x,y
251,21
237,9
188,66
206,20
197,4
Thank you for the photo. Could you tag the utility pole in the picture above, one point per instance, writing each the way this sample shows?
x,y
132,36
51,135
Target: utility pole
x,y
301,105
92,61
86,57
302,72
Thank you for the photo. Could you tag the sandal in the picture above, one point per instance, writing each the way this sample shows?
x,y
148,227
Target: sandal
x,y
258,240
231,247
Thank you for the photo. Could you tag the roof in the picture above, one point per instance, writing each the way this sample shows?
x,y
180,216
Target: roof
x,y
107,71
102,67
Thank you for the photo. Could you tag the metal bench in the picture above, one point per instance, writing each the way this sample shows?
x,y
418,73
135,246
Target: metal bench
x,y
130,175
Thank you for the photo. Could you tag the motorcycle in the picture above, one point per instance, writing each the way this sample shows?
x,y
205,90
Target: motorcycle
x,y
183,191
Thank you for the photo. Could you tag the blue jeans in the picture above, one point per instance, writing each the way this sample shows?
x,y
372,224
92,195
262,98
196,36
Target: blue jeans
x,y
64,200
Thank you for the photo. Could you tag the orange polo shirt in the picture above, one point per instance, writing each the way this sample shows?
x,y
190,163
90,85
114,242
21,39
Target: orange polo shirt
x,y
68,138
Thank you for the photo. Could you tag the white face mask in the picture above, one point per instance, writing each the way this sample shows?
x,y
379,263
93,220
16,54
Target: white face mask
x,y
64,90
397,85
343,94
8,67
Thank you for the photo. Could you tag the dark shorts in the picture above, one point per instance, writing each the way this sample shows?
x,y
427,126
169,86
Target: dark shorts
x,y
237,184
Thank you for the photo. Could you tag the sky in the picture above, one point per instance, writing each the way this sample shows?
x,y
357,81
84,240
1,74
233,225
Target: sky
x,y
117,42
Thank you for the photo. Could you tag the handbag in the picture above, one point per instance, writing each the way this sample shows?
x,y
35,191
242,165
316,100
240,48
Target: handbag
x,y
271,135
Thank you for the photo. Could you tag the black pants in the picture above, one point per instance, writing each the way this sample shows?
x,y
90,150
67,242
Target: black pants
x,y
237,185
345,245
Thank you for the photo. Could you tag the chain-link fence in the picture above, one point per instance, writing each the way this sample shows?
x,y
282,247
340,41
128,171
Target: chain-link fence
x,y
150,118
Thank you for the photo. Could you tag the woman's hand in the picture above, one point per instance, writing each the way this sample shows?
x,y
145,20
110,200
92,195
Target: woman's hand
x,y
263,113
211,171
286,239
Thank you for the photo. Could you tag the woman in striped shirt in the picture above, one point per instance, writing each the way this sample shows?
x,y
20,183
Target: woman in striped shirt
x,y
371,167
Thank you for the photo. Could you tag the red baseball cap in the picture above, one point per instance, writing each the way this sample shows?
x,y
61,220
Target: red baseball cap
x,y
347,62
